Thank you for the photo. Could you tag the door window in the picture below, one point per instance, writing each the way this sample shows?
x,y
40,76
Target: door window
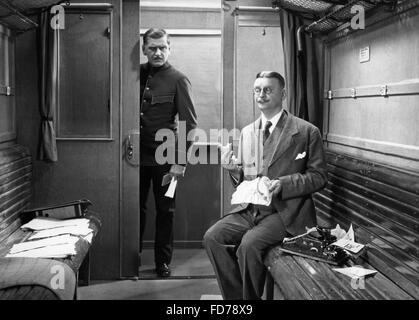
x,y
84,108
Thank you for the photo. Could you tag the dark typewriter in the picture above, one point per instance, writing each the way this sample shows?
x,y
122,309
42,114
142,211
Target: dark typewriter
x,y
316,244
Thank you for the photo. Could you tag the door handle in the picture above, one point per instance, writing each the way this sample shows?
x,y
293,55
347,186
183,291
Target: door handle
x,y
132,143
130,149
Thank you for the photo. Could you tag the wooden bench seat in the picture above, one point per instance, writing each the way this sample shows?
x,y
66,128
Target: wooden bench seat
x,y
15,195
381,203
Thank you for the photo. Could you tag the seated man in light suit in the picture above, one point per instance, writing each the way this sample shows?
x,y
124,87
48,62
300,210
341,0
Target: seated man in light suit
x,y
287,150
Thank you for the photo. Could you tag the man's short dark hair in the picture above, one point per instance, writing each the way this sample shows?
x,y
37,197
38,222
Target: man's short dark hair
x,y
155,33
272,74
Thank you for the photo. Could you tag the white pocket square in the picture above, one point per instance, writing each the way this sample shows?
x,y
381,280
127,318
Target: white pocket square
x,y
301,156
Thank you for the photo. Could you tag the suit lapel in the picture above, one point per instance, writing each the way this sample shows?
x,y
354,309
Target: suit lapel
x,y
283,139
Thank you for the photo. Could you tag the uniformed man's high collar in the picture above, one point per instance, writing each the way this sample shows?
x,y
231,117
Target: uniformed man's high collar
x,y
153,70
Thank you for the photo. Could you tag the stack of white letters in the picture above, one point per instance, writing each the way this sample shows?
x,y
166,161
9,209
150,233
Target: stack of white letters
x,y
52,238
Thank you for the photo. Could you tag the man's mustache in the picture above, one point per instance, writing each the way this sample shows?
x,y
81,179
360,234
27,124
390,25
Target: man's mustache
x,y
261,100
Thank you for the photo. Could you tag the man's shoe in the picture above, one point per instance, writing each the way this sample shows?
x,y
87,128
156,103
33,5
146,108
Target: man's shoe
x,y
163,270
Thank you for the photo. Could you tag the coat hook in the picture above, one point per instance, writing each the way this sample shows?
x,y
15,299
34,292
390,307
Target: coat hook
x,y
264,32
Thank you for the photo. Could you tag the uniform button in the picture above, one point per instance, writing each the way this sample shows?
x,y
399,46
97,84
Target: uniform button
x,y
141,127
142,113
147,88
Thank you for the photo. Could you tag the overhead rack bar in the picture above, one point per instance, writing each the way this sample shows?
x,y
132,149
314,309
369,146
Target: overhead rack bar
x,y
255,9
91,6
6,4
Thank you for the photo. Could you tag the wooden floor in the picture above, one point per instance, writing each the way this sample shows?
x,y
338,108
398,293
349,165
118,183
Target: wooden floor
x,y
186,263
192,279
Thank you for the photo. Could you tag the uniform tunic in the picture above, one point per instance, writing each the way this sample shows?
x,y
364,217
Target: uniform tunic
x,y
165,96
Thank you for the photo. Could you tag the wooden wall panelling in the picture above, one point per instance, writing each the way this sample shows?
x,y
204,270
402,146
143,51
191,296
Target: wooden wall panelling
x,y
373,111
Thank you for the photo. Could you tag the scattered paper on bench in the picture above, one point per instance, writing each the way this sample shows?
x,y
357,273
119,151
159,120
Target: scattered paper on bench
x,y
355,272
58,251
347,241
349,245
338,232
253,191
170,193
74,230
52,238
42,223
53,241
350,235
89,237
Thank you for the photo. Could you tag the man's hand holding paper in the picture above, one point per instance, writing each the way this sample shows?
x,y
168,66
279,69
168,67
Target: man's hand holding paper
x,y
257,191
176,171
275,187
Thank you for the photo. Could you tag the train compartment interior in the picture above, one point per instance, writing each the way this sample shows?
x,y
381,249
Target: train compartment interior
x,y
70,135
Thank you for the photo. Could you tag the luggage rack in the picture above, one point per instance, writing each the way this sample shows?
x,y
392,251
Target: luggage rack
x,y
329,15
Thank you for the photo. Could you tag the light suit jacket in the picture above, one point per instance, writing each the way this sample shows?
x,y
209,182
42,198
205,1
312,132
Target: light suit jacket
x,y
293,154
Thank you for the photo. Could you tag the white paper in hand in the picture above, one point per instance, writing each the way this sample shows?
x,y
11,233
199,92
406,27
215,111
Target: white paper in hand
x,y
170,193
253,191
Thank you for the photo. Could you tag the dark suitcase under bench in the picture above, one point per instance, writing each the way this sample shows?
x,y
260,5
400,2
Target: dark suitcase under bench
x,y
15,194
382,203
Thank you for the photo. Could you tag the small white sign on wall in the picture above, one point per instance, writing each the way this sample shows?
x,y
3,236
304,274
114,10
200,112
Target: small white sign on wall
x,y
364,54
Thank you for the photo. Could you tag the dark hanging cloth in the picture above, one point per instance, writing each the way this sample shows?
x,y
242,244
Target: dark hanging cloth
x,y
304,83
48,86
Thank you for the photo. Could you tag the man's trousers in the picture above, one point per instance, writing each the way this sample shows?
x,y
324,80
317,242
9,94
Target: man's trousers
x,y
236,246
165,207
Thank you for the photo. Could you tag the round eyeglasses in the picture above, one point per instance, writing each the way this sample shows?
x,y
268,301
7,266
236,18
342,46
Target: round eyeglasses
x,y
266,90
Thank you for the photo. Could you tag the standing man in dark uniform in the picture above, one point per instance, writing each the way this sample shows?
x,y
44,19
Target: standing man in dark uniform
x,y
165,94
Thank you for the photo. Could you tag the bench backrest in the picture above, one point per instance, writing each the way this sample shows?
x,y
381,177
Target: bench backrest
x,y
15,188
382,203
